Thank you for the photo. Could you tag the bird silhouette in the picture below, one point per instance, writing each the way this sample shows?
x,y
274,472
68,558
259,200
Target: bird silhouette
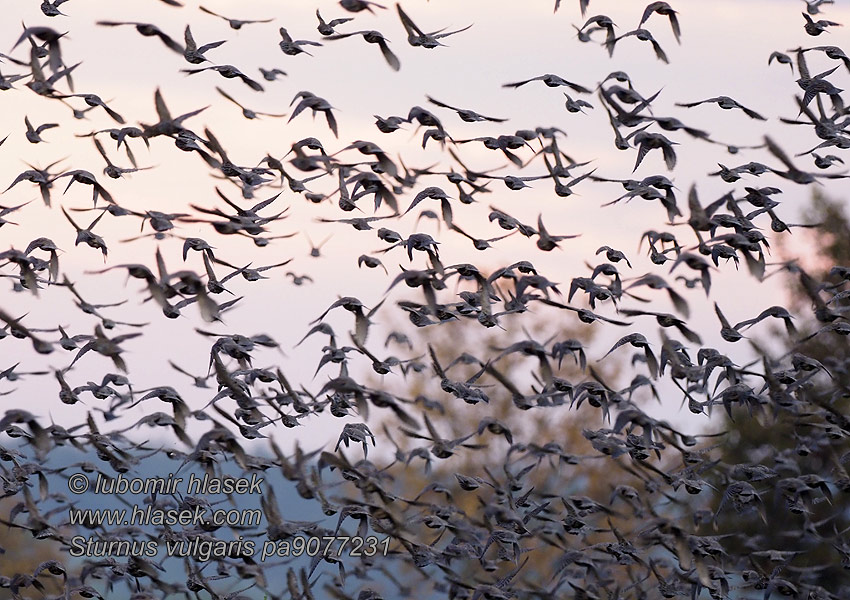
x,y
292,47
228,72
417,37
247,112
470,116
194,53
236,24
315,104
643,35
815,28
551,81
726,103
373,37
148,30
663,9
326,28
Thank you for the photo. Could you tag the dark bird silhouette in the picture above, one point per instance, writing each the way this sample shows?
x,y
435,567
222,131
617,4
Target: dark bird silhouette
x,y
815,28
470,116
86,178
781,58
585,315
228,72
726,103
833,52
479,243
34,133
192,52
646,141
236,24
638,341
271,74
388,124
247,112
111,170
167,125
664,9
326,28
727,332
613,255
777,312
5,210
44,86
551,81
373,37
41,177
547,242
86,236
51,9
50,48
813,6
148,30
417,37
793,173
292,47
575,106
594,23
6,81
371,262
19,330
94,101
666,320
656,282
643,35
356,6
315,104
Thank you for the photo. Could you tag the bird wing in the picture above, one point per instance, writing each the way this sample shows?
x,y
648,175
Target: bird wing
x,y
392,59
752,114
191,46
408,24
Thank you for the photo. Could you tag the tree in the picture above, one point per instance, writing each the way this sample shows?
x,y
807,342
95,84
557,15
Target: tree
x,y
794,451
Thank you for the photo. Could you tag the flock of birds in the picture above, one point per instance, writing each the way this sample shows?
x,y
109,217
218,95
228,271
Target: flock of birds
x,y
647,540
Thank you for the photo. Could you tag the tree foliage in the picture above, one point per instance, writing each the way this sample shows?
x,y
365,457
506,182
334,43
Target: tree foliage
x,y
503,427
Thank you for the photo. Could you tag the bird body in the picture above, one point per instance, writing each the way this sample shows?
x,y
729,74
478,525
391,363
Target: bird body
x,y
417,37
292,47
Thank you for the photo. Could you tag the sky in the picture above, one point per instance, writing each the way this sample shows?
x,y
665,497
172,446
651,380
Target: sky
x,y
724,51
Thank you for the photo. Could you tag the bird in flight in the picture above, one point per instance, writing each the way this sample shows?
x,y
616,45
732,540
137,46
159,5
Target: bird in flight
x,y
726,103
664,9
815,28
148,30
551,81
194,54
292,47
86,236
236,24
33,134
316,104
373,37
643,35
417,37
247,112
356,6
326,28
228,72
470,116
